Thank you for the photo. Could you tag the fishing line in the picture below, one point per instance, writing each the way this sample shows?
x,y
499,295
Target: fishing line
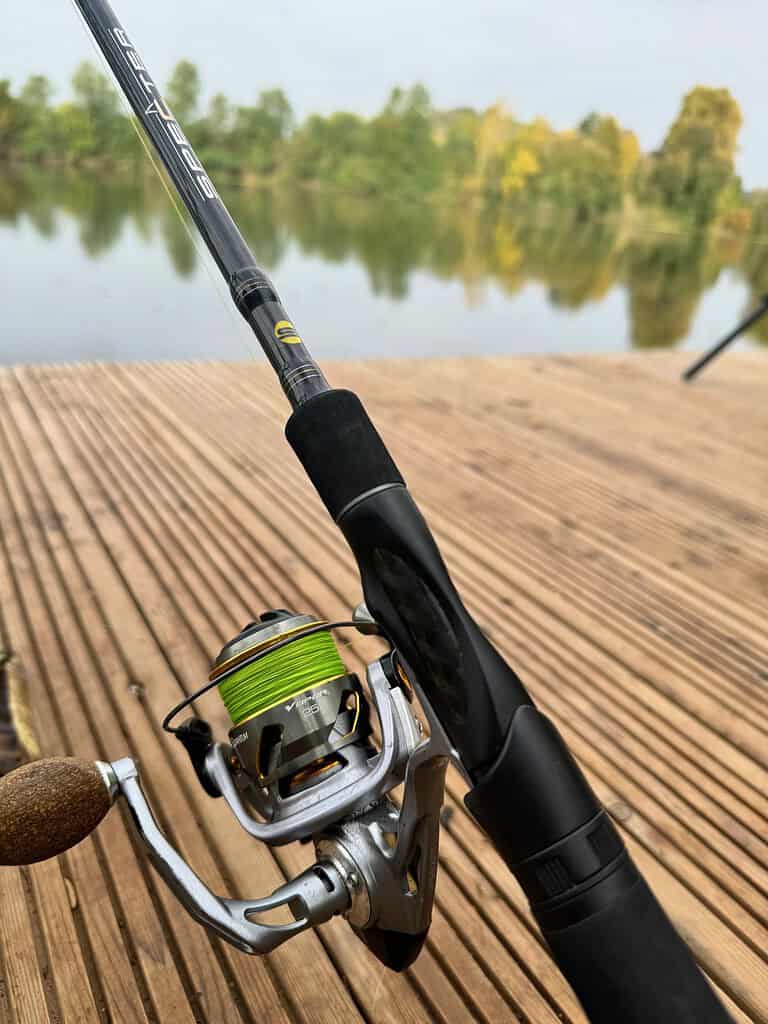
x,y
327,662
280,675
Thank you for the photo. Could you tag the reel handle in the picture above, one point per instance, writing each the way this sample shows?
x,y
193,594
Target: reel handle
x,y
50,805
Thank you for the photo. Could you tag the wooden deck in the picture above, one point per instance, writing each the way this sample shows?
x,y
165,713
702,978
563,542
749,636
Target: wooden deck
x,y
607,526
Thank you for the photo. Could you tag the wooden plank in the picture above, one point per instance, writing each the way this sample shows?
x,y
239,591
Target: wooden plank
x,y
476,553
135,902
540,463
173,630
22,969
67,958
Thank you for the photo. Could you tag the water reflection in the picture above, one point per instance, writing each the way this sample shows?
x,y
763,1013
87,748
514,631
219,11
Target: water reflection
x,y
664,274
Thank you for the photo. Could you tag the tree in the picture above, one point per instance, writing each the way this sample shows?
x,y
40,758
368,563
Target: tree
x,y
219,118
37,117
494,132
455,132
400,147
74,133
276,106
694,170
260,130
519,168
619,145
183,91
94,94
111,136
9,117
36,92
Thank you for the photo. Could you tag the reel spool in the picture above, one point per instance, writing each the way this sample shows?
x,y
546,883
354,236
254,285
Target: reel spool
x,y
298,716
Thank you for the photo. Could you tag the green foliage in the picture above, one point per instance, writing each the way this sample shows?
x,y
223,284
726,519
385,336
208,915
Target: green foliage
x,y
75,132
262,129
755,261
10,118
183,91
455,132
96,99
37,120
91,127
393,153
693,172
666,275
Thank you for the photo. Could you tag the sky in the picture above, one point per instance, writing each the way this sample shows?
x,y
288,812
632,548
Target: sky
x,y
559,60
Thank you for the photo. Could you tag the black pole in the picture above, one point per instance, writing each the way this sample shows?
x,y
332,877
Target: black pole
x,y
702,361
252,291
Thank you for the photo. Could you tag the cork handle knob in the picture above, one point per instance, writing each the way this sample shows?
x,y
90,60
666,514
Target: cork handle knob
x,y
50,805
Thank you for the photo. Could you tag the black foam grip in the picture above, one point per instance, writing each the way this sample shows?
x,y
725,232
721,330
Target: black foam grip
x,y
340,449
627,964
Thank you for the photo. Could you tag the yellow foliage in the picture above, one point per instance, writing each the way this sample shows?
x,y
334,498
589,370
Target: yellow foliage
x,y
493,134
510,258
520,166
629,153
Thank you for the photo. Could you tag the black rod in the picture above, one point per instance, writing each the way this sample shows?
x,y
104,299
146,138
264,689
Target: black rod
x,y
702,361
252,291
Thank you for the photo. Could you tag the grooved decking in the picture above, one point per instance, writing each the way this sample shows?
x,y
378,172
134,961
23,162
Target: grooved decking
x,y
607,526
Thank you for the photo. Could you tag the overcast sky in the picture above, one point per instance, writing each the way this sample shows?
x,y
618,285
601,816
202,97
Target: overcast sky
x,y
558,59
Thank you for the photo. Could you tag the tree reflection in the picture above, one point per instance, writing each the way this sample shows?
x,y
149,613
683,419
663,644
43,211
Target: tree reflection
x,y
666,275
176,230
577,260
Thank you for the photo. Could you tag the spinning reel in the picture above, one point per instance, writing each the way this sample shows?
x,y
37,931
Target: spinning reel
x,y
300,764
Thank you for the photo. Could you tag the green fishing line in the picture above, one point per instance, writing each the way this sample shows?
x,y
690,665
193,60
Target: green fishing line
x,y
277,676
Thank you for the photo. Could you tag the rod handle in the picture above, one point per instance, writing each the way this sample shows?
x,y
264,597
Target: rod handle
x,y
627,963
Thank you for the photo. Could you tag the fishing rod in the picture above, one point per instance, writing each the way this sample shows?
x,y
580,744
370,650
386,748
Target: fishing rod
x,y
695,368
301,761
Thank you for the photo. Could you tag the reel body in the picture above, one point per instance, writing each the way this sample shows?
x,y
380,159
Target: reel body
x,y
301,764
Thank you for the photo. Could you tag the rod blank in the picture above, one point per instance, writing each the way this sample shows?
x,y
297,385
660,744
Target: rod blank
x,y
252,291
745,324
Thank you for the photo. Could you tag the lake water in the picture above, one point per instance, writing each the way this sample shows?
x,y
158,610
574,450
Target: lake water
x,y
105,269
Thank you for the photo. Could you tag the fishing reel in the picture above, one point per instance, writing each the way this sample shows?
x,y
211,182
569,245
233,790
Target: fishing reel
x,y
301,764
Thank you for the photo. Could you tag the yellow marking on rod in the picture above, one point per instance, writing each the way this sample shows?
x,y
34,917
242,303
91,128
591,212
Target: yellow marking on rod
x,y
287,333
